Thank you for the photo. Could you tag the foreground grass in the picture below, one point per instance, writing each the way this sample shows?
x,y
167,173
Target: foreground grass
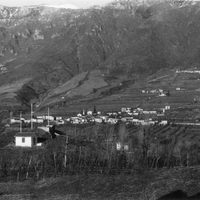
x,y
146,186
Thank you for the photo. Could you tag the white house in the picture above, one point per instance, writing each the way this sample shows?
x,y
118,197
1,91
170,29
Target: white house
x,y
112,120
119,146
163,122
167,107
123,109
162,95
15,120
25,139
89,112
104,118
98,120
60,121
51,118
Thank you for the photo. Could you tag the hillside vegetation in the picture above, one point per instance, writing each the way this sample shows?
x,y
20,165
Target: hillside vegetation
x,y
87,165
124,40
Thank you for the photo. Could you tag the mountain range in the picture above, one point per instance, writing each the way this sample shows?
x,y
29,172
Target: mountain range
x,y
53,56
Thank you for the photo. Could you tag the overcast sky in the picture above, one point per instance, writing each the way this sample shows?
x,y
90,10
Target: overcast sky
x,y
78,3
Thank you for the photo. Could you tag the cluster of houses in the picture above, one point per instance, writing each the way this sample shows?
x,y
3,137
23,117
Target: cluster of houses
x,y
2,68
188,71
135,116
160,92
38,120
126,115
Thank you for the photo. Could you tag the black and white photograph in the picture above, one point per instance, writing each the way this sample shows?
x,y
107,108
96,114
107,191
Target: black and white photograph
x,y
99,100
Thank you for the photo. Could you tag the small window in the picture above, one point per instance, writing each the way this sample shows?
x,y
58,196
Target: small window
x,y
23,140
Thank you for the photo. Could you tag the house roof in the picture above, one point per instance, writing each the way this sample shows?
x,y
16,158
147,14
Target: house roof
x,y
25,134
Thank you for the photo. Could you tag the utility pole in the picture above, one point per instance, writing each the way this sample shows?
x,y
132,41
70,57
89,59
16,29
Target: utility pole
x,y
48,116
66,143
20,128
31,116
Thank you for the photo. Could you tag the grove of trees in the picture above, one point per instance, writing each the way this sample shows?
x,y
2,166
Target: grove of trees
x,y
94,150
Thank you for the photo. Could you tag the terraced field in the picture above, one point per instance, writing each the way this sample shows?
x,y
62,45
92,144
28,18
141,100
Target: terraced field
x,y
182,88
178,136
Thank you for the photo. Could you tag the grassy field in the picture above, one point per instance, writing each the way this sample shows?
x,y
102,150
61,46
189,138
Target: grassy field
x,y
139,183
8,93
182,89
151,185
89,89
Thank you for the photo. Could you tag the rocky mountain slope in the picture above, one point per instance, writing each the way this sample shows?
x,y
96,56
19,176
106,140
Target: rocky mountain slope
x,y
43,48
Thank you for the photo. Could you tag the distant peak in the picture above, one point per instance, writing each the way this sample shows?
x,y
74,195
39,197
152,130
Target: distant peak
x,y
66,6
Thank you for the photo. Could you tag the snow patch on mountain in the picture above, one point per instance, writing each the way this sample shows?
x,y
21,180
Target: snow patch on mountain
x,y
66,6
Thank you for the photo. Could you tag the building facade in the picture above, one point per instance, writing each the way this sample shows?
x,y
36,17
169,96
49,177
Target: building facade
x,y
25,139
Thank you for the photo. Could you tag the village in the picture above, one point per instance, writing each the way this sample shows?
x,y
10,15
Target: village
x,y
27,136
137,116
164,115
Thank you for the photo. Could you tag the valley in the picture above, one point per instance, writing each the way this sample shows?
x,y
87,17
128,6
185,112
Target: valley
x,y
122,85
181,92
119,42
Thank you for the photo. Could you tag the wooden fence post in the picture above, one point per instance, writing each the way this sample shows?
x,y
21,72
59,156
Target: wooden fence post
x,y
65,158
17,176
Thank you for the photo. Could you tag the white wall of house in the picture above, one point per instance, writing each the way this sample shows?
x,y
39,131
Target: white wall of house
x,y
119,146
163,122
20,143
